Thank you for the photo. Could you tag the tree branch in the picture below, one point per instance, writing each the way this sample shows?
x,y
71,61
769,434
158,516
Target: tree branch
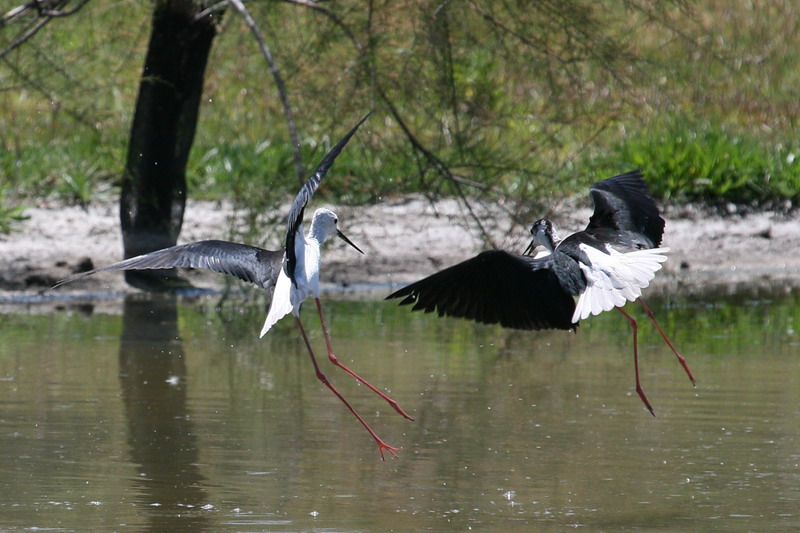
x,y
287,110
46,10
441,168
25,36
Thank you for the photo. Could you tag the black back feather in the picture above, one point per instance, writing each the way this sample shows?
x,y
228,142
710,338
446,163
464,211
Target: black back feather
x,y
623,203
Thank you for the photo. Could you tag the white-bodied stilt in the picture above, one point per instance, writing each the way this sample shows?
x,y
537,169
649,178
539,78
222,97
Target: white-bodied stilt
x,y
291,275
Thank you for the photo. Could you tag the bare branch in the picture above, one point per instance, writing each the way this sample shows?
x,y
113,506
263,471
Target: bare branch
x,y
419,149
219,6
441,168
312,4
287,110
19,10
45,15
43,8
25,36
56,13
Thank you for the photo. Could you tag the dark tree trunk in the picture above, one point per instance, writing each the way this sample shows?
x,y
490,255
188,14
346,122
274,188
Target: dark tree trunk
x,y
154,182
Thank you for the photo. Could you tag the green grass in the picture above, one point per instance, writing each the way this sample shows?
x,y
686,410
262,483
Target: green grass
x,y
10,216
704,161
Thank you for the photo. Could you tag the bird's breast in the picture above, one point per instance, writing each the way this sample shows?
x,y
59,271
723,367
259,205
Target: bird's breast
x,y
310,265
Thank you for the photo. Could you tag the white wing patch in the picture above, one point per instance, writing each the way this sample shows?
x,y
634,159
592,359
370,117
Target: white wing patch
x,y
615,278
281,304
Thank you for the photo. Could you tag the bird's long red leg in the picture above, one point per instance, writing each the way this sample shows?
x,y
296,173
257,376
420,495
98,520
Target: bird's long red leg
x,y
336,362
639,390
381,445
669,343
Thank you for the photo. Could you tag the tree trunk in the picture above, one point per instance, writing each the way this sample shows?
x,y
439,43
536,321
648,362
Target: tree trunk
x,y
154,182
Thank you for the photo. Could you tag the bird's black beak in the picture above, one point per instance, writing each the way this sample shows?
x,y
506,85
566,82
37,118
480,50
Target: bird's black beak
x,y
530,248
348,241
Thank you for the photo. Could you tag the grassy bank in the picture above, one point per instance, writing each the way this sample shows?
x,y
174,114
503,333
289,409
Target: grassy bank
x,y
702,98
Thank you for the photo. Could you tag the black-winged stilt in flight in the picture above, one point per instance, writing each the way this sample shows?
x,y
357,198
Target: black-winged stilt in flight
x,y
591,271
291,275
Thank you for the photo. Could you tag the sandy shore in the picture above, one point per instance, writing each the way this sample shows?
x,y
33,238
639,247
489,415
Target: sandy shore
x,y
404,239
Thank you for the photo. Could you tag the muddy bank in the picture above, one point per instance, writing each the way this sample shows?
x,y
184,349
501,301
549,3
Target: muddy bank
x,y
404,239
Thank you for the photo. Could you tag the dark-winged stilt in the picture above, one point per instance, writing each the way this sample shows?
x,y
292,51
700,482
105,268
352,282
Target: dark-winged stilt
x,y
291,275
591,271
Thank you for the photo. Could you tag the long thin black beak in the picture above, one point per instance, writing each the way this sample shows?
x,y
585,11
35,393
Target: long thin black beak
x,y
530,248
348,241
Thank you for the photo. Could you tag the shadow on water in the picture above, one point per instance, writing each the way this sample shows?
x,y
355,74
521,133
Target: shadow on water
x,y
162,438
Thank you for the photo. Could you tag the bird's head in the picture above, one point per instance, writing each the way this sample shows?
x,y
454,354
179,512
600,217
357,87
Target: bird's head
x,y
544,234
326,222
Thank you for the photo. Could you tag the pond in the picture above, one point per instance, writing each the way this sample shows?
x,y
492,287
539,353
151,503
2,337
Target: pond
x,y
159,413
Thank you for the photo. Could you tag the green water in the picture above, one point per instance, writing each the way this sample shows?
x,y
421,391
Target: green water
x,y
171,415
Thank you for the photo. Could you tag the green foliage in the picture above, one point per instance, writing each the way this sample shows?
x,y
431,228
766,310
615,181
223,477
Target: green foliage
x,y
10,216
69,169
505,100
708,162
261,177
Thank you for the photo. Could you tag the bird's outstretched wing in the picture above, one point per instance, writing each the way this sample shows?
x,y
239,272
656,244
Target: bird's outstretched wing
x,y
247,263
623,203
295,219
495,287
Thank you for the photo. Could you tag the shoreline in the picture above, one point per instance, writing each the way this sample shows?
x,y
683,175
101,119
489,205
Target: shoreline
x,y
404,239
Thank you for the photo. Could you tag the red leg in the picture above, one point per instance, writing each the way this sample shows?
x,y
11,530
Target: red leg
x,y
381,445
669,343
336,362
639,390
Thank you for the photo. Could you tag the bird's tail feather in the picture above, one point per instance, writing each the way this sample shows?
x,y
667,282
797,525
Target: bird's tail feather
x,y
281,302
616,278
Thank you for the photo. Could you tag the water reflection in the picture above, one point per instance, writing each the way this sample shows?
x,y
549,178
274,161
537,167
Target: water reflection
x,y
163,443
513,430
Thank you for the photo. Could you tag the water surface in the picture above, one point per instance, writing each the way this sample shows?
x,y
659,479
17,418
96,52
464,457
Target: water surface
x,y
171,415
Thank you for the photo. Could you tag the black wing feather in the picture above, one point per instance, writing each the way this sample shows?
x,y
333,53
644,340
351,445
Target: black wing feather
x,y
495,287
248,263
623,203
308,189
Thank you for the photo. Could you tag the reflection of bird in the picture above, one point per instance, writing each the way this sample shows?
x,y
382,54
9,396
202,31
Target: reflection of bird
x,y
291,275
591,271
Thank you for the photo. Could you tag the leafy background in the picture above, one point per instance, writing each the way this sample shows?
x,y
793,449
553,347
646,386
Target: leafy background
x,y
493,101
